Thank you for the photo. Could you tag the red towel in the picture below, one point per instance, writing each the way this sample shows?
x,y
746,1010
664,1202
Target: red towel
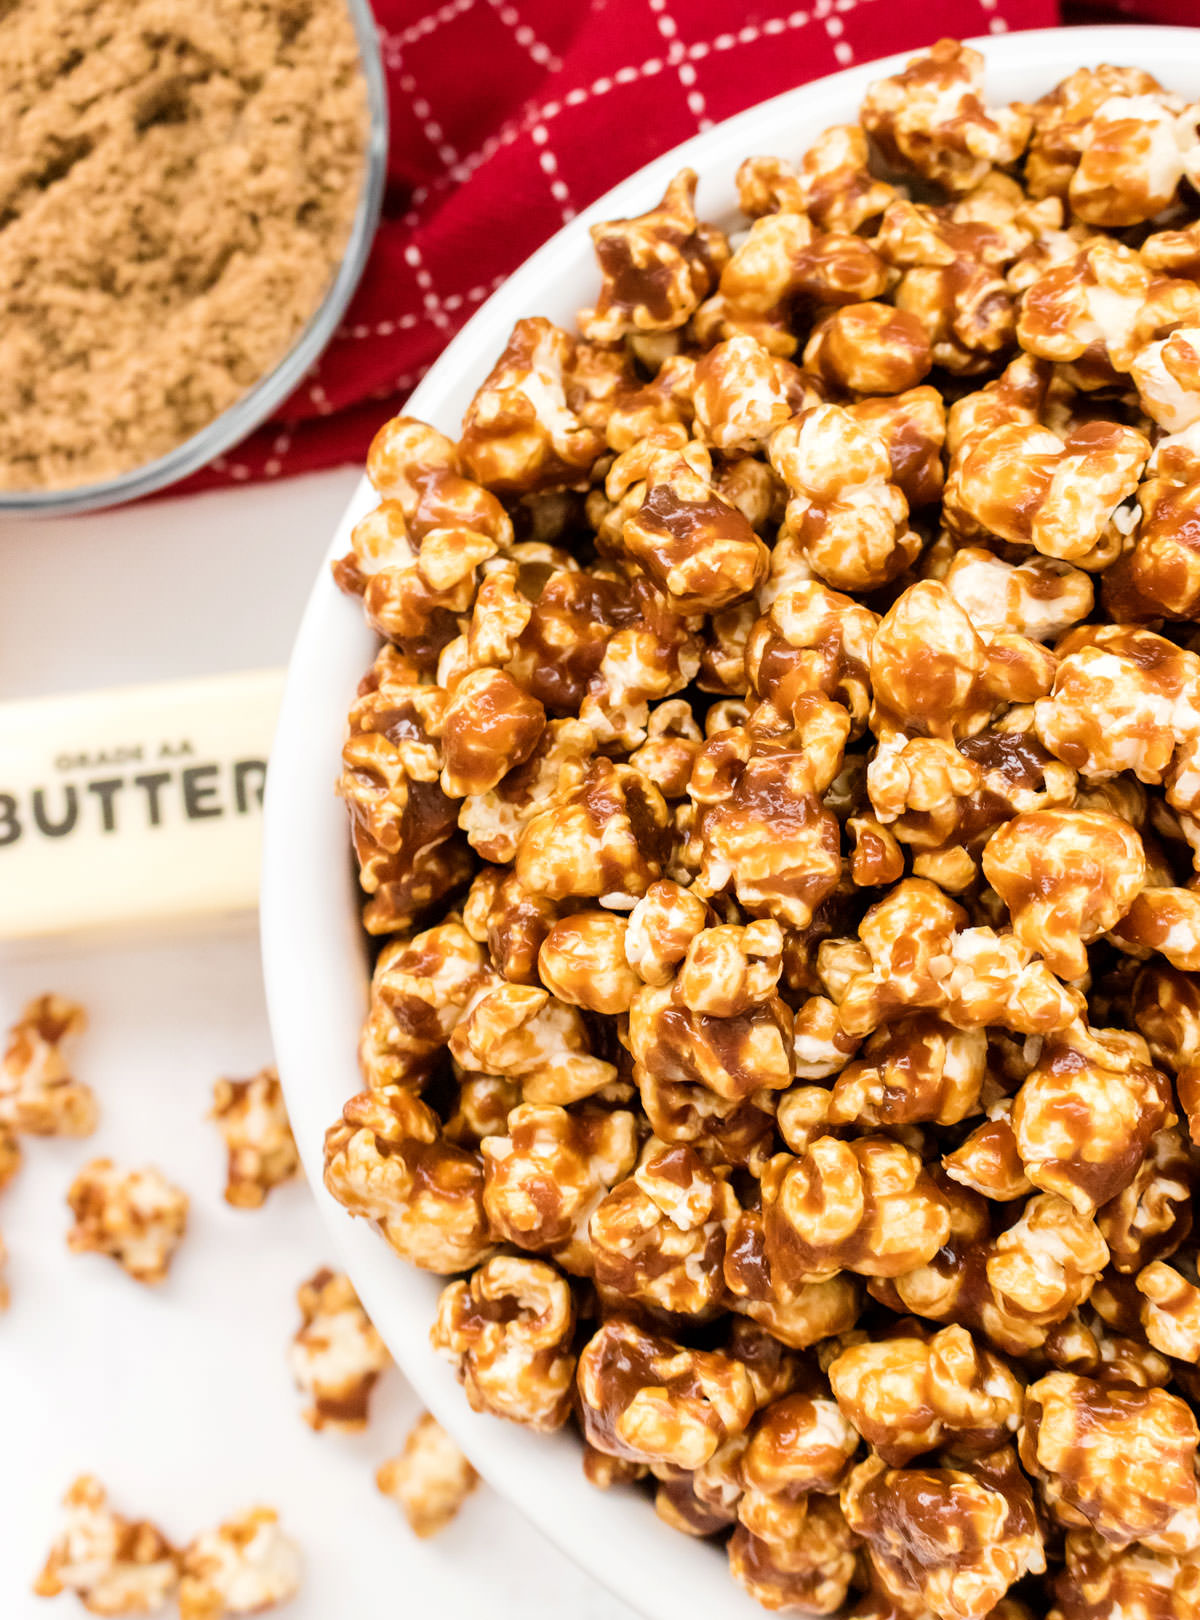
x,y
508,116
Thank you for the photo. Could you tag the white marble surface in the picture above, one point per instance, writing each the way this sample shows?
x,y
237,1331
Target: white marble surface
x,y
179,1399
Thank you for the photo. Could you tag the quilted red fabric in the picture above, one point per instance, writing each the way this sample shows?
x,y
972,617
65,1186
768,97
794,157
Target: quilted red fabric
x,y
508,116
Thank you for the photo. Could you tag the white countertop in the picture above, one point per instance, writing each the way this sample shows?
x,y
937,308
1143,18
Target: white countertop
x,y
179,1399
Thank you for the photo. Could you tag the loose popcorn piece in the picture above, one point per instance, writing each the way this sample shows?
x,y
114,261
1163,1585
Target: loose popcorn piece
x,y
114,1566
607,839
10,1156
846,517
869,349
246,1566
1104,299
1039,1269
768,834
490,726
1039,598
136,1216
1163,919
700,1502
834,183
798,1444
1152,1215
918,1068
37,1092
414,559
913,952
797,1315
430,1479
335,1355
1062,117
742,393
783,262
934,675
989,1161
695,546
778,804
1031,486
1160,575
720,1022
582,960
1012,1287
419,990
1124,699
951,268
252,1117
1084,1344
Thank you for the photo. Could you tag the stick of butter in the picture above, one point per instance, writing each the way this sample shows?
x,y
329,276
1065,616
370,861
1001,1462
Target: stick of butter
x,y
140,804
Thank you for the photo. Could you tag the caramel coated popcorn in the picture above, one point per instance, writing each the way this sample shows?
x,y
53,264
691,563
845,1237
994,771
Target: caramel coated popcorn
x,y
247,1565
113,1565
1102,1582
778,803
547,1172
509,1330
252,1117
949,1539
1119,1461
660,1236
932,119
430,1479
645,1399
136,1216
1085,1114
335,1354
38,1094
10,1156
907,1396
389,1160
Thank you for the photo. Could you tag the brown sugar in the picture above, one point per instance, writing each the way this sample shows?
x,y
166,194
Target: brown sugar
x,y
177,185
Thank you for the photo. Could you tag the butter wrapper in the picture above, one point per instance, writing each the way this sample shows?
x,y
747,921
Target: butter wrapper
x,y
137,805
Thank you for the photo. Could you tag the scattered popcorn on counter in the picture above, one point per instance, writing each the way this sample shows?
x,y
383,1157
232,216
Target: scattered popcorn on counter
x,y
252,1118
38,1094
135,1216
246,1566
430,1479
116,1567
336,1356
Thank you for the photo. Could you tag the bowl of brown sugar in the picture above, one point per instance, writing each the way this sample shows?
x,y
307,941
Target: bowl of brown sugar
x,y
187,200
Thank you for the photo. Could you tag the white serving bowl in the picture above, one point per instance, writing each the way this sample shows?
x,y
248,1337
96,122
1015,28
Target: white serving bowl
x,y
314,954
